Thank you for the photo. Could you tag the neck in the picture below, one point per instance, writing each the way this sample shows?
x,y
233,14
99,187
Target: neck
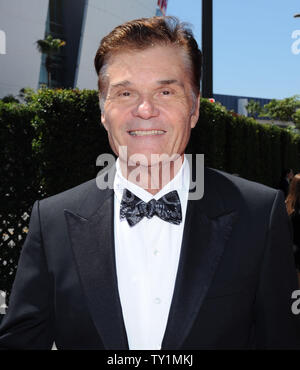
x,y
151,178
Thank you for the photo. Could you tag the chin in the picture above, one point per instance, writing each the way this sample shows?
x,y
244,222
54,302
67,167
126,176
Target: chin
x,y
152,159
142,159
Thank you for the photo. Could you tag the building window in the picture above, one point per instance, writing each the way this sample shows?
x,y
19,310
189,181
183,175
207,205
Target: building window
x,y
54,27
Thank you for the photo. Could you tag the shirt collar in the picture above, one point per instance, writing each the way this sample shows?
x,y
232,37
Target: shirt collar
x,y
180,183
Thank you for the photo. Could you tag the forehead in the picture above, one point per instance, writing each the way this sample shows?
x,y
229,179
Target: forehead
x,y
164,62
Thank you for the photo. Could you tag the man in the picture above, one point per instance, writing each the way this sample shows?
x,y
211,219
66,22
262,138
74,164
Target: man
x,y
140,265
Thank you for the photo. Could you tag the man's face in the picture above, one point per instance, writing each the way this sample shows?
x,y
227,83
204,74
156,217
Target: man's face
x,y
149,106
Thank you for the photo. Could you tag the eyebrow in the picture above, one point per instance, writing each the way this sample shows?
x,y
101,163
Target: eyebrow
x,y
124,83
127,83
169,82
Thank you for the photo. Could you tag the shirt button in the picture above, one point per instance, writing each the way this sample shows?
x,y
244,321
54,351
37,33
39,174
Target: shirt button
x,y
156,252
157,300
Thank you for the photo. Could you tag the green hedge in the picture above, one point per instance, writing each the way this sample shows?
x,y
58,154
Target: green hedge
x,y
51,143
68,137
240,145
18,185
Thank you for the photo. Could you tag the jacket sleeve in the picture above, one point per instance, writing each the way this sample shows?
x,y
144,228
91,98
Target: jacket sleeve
x,y
28,323
276,326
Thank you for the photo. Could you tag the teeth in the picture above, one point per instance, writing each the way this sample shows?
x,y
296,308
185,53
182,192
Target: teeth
x,y
144,133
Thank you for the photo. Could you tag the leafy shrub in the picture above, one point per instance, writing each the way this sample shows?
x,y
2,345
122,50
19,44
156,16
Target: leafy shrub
x,y
51,142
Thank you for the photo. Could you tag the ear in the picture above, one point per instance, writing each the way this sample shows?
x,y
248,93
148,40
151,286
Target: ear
x,y
103,120
195,114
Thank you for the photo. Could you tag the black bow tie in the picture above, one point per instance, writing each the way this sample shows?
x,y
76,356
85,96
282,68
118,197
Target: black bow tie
x,y
167,208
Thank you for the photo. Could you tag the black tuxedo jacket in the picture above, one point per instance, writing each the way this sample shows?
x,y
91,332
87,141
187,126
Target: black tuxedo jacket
x,y
233,288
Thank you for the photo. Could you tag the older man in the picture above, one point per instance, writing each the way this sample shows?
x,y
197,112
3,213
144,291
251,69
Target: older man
x,y
141,265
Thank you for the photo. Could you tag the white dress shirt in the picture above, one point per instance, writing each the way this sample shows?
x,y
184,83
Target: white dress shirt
x,y
147,256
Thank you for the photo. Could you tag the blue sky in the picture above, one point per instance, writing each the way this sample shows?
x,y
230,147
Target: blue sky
x,y
252,45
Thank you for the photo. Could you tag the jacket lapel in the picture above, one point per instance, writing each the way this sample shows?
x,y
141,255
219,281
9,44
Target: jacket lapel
x,y
207,227
92,237
204,240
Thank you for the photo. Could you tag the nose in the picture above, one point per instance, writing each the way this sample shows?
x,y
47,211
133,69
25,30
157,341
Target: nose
x,y
145,109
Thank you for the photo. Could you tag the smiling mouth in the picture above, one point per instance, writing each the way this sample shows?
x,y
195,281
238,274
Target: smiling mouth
x,y
146,132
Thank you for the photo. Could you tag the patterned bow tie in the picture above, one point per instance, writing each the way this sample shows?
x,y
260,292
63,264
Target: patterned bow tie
x,y
167,208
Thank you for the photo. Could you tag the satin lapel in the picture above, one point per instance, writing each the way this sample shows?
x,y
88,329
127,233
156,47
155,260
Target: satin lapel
x,y
92,240
204,240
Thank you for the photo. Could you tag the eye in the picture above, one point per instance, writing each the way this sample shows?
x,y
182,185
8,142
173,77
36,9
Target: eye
x,y
123,94
166,92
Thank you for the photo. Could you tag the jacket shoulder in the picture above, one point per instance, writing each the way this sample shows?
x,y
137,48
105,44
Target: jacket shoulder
x,y
71,195
235,189
87,194
227,180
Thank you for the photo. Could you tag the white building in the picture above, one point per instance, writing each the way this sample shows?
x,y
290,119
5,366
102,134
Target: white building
x,y
81,23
